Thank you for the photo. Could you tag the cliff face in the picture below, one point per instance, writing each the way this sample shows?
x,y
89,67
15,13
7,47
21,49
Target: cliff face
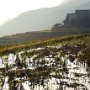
x,y
79,18
75,23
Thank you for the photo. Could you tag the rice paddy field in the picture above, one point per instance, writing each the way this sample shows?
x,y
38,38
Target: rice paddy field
x,y
60,63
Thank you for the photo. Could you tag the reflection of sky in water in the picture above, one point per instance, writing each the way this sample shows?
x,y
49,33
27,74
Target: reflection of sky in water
x,y
52,83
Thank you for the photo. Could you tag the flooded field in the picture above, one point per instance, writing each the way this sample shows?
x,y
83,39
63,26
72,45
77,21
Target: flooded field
x,y
46,68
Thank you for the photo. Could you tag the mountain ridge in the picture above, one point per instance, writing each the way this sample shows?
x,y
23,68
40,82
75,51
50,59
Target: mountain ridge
x,y
36,20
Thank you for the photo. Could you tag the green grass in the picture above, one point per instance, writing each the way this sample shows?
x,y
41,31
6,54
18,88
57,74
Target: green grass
x,y
71,39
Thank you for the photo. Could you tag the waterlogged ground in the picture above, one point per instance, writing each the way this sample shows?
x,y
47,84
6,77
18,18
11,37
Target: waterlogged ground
x,y
47,68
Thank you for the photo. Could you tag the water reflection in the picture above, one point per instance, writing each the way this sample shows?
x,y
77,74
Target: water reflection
x,y
43,69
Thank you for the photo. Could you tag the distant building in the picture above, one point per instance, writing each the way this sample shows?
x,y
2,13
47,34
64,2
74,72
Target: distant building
x,y
79,18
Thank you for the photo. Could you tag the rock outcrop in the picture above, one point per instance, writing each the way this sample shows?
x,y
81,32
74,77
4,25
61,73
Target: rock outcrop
x,y
79,18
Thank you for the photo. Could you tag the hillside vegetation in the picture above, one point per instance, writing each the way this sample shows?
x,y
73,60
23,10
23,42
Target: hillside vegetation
x,y
63,62
65,40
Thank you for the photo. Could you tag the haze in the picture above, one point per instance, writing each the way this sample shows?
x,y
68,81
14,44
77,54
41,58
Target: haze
x,y
12,8
20,16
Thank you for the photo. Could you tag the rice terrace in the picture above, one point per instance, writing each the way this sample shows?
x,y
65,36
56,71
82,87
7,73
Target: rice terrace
x,y
55,64
44,44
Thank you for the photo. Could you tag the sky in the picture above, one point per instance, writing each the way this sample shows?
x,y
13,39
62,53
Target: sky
x,y
12,8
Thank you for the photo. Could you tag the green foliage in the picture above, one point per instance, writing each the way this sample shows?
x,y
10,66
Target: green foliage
x,y
72,39
85,56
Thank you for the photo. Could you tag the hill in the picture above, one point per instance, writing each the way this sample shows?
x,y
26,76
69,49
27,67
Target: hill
x,y
53,61
42,35
42,19
71,39
36,35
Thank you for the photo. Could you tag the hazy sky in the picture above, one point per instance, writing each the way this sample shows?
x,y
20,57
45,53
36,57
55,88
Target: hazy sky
x,y
12,8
